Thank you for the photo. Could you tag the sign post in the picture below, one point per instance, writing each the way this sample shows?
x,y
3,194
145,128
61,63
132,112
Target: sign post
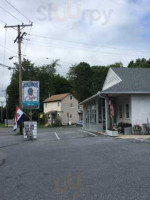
x,y
30,101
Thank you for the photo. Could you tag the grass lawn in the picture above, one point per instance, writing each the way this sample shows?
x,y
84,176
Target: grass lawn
x,y
41,126
2,125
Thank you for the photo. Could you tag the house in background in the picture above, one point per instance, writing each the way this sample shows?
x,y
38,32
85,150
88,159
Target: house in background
x,y
63,107
125,98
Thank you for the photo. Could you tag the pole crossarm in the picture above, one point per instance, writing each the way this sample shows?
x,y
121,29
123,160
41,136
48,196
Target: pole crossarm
x,y
16,26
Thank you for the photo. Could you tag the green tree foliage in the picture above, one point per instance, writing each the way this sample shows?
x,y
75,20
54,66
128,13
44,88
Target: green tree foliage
x,y
79,77
50,83
98,77
83,81
87,80
117,64
61,84
139,63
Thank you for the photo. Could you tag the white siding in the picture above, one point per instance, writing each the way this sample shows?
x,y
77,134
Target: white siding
x,y
52,106
111,80
140,109
122,101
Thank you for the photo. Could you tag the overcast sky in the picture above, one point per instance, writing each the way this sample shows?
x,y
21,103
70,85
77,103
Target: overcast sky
x,y
98,32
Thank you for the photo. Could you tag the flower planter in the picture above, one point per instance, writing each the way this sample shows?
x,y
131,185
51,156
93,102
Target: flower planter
x,y
137,132
112,133
128,130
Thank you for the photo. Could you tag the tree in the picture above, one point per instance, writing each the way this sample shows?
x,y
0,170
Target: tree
x,y
139,63
45,74
62,85
117,64
80,79
98,77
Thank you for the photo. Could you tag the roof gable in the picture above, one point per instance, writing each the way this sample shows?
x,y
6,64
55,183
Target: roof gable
x,y
111,79
58,97
134,80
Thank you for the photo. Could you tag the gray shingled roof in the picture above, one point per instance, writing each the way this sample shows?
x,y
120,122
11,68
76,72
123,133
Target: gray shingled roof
x,y
134,80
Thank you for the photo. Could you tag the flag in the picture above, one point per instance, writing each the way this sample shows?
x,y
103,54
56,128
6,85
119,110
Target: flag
x,y
18,117
112,113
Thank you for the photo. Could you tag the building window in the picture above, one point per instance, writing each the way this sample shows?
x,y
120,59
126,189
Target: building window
x,y
120,112
58,103
71,97
127,111
46,105
71,105
70,115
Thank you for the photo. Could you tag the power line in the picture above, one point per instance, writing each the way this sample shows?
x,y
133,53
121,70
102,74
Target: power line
x,y
4,55
17,10
27,39
82,49
10,14
7,66
86,44
8,49
3,21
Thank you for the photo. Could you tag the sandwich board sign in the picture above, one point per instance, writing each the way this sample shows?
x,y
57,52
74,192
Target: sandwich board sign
x,y
30,95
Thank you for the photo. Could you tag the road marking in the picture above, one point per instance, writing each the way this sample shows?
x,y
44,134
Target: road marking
x,y
89,133
57,136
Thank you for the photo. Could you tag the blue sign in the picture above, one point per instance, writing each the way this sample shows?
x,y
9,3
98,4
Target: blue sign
x,y
30,95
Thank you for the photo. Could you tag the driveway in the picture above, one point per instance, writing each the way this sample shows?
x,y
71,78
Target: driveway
x,y
69,164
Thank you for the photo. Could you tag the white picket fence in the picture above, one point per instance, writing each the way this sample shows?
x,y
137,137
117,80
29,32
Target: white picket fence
x,y
9,122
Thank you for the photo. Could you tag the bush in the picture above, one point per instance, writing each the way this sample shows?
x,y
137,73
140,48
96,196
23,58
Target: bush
x,y
57,122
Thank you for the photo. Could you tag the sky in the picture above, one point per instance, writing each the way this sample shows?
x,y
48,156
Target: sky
x,y
98,32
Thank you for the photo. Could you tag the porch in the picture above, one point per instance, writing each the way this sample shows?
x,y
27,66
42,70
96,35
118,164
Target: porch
x,y
118,111
102,113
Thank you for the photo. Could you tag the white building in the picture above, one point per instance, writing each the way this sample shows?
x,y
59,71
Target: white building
x,y
63,107
125,95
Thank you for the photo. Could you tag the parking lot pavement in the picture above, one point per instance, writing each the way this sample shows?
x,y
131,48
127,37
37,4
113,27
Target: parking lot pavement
x,y
78,166
8,138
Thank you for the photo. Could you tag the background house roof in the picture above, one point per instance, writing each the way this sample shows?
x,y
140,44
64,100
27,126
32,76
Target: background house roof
x,y
134,80
57,97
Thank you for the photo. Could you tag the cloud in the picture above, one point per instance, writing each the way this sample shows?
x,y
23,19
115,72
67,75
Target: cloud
x,y
97,32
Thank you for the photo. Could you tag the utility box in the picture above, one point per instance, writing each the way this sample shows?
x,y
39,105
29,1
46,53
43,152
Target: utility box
x,y
30,130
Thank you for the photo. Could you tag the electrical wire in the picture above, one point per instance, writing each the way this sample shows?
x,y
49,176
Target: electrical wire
x,y
85,44
18,10
81,48
6,48
27,40
3,21
4,55
10,14
7,66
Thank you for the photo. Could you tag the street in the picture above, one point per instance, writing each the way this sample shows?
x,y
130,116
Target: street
x,y
70,164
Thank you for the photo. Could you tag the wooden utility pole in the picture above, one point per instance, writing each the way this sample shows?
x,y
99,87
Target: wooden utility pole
x,y
19,40
2,111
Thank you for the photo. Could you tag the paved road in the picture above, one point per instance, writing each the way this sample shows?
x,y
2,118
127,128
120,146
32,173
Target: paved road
x,y
68,164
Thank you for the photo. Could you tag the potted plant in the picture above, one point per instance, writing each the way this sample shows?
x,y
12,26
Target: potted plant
x,y
113,131
125,128
137,129
128,129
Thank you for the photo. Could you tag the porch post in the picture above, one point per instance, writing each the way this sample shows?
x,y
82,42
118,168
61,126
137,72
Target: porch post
x,y
97,114
84,114
106,112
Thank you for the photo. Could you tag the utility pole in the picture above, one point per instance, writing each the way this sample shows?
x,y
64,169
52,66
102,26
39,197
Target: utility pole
x,y
2,111
19,40
6,108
